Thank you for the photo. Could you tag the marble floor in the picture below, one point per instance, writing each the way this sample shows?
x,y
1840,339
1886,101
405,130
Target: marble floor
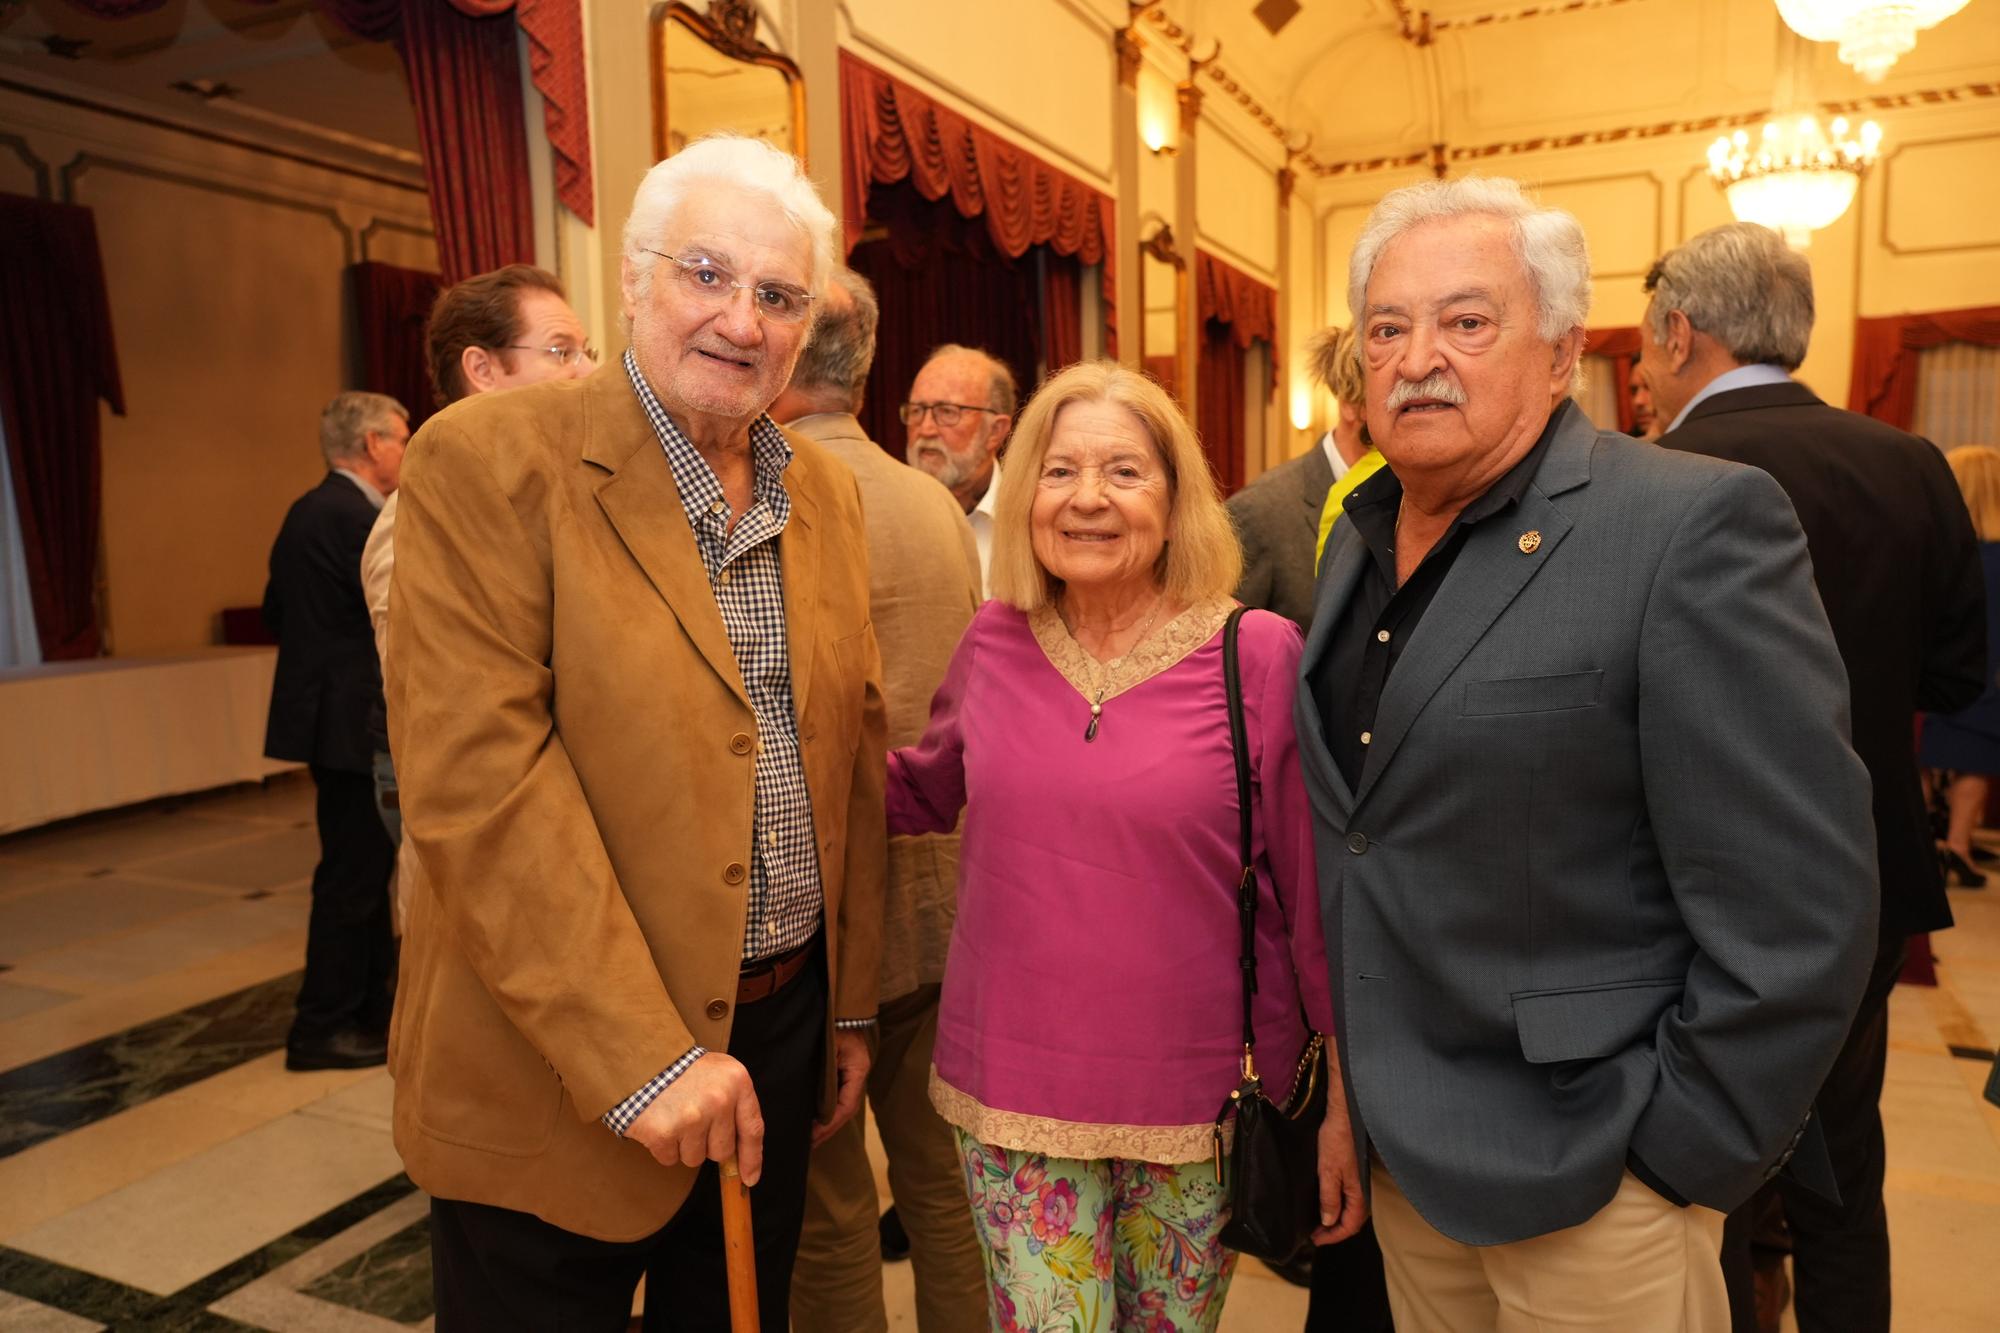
x,y
160,1170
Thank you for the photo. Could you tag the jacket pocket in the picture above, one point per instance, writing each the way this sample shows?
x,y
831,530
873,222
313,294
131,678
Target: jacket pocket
x,y
1590,1022
1531,694
481,1084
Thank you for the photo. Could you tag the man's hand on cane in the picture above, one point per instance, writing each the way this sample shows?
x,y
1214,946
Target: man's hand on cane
x,y
709,1113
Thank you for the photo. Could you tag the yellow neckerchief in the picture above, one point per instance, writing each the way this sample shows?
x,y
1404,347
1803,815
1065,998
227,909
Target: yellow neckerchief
x,y
1364,467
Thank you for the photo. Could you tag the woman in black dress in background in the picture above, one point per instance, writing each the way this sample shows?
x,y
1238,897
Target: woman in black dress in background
x,y
1967,743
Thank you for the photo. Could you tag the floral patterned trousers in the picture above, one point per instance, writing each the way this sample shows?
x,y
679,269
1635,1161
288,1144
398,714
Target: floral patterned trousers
x,y
1105,1245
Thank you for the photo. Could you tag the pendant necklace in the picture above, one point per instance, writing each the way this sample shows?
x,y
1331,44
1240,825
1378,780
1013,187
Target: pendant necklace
x,y
1101,672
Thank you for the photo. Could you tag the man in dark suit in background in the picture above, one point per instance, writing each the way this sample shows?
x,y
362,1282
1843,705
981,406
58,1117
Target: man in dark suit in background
x,y
1277,516
1898,569
327,684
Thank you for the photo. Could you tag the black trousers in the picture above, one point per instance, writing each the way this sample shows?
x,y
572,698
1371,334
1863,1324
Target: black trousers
x,y
499,1271
350,940
1350,1292
1840,1251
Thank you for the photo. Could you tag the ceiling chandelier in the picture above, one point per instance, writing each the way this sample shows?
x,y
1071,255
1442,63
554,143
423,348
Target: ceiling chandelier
x,y
1872,33
1796,177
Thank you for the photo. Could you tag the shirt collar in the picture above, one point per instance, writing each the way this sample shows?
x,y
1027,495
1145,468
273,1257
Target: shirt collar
x,y
1333,458
1743,377
992,496
1379,497
375,497
699,488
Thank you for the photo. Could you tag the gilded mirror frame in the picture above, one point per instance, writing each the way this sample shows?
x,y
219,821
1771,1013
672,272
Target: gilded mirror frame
x,y
729,28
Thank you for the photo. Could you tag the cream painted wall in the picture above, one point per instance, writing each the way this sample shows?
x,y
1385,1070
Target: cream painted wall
x,y
1237,202
225,274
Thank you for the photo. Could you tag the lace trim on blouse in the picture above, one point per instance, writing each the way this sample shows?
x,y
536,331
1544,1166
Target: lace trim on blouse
x,y
1162,649
1166,1144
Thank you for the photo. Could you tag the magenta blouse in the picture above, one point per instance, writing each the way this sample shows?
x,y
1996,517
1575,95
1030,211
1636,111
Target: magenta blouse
x,y
1091,1001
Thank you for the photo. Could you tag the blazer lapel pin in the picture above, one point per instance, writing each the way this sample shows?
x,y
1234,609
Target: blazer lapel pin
x,y
1531,541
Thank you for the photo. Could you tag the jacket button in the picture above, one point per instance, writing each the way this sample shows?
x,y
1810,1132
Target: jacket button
x,y
718,1009
1357,843
733,873
739,744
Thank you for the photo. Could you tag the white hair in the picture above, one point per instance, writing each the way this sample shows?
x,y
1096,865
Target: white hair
x,y
1548,241
346,421
727,159
1742,286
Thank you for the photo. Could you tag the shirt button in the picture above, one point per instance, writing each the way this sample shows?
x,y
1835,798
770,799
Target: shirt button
x,y
733,873
740,744
771,839
1367,736
771,929
718,508
717,1009
1381,636
723,577
1357,843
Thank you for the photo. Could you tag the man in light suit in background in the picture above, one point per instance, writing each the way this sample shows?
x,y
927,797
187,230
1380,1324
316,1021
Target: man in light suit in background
x,y
1592,840
923,587
1897,565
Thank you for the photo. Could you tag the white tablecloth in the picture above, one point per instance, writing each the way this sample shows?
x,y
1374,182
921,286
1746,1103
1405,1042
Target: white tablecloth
x,y
82,736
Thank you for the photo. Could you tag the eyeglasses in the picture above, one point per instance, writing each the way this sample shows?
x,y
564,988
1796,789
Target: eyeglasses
x,y
945,414
779,302
565,356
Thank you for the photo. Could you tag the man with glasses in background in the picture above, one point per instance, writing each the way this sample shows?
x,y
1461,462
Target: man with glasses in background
x,y
960,409
637,709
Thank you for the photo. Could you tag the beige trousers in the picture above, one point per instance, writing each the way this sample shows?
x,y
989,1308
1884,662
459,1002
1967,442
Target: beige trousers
x,y
1640,1265
837,1281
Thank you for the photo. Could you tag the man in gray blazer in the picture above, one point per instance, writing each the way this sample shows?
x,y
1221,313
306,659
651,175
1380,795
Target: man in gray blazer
x,y
1592,841
1277,516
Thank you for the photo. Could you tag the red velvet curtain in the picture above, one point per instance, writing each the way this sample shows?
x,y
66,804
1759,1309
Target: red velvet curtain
x,y
465,83
57,361
1884,383
893,133
1062,311
391,307
1621,345
1236,310
939,279
1219,404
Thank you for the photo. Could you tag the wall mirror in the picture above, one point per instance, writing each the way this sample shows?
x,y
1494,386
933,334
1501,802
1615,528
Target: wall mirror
x,y
1163,291
711,73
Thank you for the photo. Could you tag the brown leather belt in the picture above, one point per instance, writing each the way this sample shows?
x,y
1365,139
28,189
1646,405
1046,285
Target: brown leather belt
x,y
767,976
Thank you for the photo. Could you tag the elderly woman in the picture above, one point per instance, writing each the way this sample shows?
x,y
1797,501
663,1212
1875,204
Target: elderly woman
x,y
1090,1025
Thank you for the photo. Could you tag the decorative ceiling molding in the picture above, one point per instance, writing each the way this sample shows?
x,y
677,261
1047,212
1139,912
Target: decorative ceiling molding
x,y
1185,41
1442,154
1421,29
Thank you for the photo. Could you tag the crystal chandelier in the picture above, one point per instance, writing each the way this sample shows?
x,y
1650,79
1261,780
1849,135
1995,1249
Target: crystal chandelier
x,y
1872,33
1796,178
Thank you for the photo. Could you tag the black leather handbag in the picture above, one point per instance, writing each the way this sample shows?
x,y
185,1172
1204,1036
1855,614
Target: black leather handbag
x,y
1272,1176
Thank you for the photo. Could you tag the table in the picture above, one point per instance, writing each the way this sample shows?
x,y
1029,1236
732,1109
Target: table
x,y
92,735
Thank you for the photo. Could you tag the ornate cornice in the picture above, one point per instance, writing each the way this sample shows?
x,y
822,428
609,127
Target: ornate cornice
x,y
1441,155
1131,53
1419,28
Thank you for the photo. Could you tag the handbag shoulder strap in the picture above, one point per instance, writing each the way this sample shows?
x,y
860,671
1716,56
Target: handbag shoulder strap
x,y
1246,881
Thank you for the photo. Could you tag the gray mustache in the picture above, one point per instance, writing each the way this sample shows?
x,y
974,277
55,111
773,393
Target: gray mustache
x,y
1434,386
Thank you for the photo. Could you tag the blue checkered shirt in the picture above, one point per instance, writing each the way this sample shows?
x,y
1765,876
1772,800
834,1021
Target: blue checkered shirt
x,y
746,577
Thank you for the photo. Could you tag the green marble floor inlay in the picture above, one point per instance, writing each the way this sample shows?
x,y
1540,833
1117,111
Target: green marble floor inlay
x,y
392,1280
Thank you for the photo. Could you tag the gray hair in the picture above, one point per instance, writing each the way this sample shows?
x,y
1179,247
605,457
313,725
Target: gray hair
x,y
843,340
1003,393
1548,241
344,425
1741,285
726,159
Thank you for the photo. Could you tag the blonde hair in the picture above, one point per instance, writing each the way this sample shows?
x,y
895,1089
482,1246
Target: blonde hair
x,y
1202,559
1977,467
1334,359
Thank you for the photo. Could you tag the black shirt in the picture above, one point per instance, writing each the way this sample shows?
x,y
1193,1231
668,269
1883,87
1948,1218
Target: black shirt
x,y
1375,625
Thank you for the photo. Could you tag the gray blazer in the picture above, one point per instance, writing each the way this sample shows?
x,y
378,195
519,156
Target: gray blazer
x,y
1277,520
1607,882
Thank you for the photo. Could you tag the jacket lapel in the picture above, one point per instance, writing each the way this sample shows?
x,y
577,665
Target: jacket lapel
x,y
1489,573
799,553
1339,576
644,507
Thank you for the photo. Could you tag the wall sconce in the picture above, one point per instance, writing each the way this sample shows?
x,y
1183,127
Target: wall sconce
x,y
1153,133
1302,407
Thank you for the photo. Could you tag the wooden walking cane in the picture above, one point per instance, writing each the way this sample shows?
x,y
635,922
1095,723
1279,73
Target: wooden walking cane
x,y
739,1249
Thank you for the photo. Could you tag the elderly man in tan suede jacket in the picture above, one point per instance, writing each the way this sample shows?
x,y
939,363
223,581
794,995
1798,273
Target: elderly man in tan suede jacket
x,y
636,705
923,577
